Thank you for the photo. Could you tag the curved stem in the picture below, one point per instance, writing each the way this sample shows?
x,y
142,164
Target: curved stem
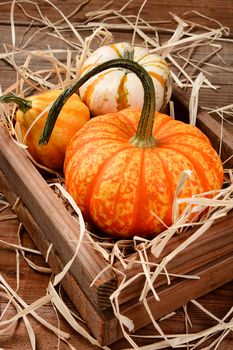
x,y
23,105
143,137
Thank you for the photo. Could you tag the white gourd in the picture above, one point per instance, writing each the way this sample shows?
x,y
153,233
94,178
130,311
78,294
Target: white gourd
x,y
116,89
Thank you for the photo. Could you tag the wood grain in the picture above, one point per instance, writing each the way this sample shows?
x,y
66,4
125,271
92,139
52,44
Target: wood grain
x,y
100,322
62,231
211,275
32,284
210,255
153,10
214,244
209,124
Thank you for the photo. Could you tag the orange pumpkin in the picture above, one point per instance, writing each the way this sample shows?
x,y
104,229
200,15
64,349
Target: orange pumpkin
x,y
122,169
74,115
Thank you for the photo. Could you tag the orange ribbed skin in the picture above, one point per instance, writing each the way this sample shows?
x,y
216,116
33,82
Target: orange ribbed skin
x,y
119,187
72,117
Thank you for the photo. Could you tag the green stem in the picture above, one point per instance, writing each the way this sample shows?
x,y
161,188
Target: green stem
x,y
143,137
128,52
23,105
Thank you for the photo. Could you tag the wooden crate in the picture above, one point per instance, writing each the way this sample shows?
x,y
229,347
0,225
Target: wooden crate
x,y
50,224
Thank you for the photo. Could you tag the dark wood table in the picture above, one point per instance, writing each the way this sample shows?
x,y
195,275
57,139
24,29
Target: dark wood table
x,y
32,284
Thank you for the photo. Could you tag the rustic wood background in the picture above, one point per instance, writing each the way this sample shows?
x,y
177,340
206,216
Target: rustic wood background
x,y
33,284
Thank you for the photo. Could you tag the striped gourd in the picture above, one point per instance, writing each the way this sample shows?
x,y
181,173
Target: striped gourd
x,y
117,88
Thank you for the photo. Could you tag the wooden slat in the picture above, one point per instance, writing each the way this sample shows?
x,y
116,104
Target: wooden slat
x,y
90,302
100,322
211,276
103,324
95,319
216,242
209,124
32,286
39,199
161,10
59,228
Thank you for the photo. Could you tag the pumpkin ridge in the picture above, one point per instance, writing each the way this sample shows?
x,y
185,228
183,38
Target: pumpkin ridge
x,y
168,218
159,126
125,130
129,121
91,87
137,206
118,195
97,179
115,48
162,139
204,155
158,78
150,67
142,57
161,64
100,138
196,165
78,147
124,119
162,81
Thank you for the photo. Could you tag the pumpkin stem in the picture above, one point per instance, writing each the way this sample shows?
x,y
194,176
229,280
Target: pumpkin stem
x,y
143,137
128,53
23,105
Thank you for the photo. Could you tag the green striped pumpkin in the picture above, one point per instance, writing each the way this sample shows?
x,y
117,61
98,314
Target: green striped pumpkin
x,y
117,88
